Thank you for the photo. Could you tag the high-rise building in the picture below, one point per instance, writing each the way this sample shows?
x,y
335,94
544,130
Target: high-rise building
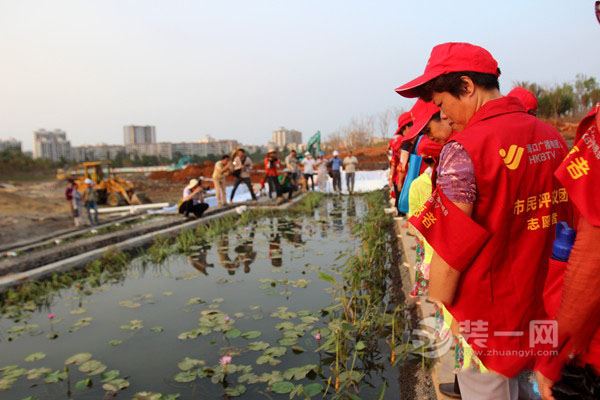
x,y
51,145
135,134
10,144
163,149
96,152
284,137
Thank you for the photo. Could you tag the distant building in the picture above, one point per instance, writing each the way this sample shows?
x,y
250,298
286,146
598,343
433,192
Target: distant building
x,y
51,145
190,149
284,137
135,134
163,150
10,144
96,153
219,147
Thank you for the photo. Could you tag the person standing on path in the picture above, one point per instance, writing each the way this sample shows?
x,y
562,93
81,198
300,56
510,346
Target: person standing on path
x,y
90,200
220,172
492,218
336,167
242,165
76,204
309,170
322,176
291,163
350,163
272,165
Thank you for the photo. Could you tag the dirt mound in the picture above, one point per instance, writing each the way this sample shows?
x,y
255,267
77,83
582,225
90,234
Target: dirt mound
x,y
183,175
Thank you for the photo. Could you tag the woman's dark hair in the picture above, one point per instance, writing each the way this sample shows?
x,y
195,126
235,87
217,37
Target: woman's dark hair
x,y
224,156
428,160
453,84
405,128
435,117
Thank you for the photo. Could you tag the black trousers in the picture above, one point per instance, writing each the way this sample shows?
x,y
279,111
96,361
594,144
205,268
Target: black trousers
x,y
273,186
312,181
237,183
289,190
188,207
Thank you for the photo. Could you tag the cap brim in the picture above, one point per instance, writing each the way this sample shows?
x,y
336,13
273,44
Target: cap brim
x,y
417,127
410,89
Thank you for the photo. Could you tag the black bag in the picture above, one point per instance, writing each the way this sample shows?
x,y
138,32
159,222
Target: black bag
x,y
237,173
577,382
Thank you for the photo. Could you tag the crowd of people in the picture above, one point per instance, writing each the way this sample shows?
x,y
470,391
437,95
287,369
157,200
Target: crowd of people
x,y
281,179
506,218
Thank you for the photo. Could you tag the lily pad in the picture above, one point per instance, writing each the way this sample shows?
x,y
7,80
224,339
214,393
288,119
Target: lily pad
x,y
92,367
129,304
189,363
110,375
35,357
56,376
235,391
115,385
195,300
77,311
83,384
186,376
78,359
115,342
37,373
283,387
133,325
258,346
312,389
157,329
251,334
233,333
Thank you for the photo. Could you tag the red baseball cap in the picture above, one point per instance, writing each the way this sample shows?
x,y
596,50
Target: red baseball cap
x,y
452,57
421,112
429,148
395,142
403,120
526,97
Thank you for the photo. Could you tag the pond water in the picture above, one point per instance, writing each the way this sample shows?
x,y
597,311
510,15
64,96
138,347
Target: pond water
x,y
259,283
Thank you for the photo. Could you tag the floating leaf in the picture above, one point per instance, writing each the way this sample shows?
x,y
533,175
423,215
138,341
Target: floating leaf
x,y
167,293
83,384
129,304
147,396
77,311
287,341
92,367
35,357
298,349
326,277
115,385
78,359
157,329
133,325
251,334
115,342
109,375
83,322
312,389
189,363
237,390
56,376
37,373
282,387
276,351
195,300
258,346
186,376
233,333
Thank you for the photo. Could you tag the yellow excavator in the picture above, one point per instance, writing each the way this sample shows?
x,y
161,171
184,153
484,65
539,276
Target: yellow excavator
x,y
112,190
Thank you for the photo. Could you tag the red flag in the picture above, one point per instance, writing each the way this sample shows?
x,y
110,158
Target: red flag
x,y
451,232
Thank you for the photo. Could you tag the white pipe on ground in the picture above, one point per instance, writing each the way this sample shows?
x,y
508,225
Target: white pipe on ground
x,y
131,209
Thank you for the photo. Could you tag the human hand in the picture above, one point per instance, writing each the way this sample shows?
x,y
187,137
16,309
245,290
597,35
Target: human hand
x,y
545,386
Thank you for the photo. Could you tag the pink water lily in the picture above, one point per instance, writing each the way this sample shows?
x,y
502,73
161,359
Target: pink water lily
x,y
51,316
317,336
225,360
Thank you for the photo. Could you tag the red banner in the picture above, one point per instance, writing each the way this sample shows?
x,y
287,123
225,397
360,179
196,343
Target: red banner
x,y
451,232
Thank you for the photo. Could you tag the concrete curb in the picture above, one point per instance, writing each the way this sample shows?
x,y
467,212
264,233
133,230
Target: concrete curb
x,y
83,259
442,371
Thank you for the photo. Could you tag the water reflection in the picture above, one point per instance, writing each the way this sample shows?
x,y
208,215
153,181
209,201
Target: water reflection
x,y
223,254
336,214
245,249
275,245
199,261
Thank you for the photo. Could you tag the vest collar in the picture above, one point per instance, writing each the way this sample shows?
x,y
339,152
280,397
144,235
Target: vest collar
x,y
493,108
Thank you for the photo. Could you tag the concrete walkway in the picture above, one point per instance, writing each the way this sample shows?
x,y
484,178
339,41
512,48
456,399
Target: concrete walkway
x,y
443,371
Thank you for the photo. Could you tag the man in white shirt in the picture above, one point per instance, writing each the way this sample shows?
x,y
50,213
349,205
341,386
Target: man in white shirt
x,y
350,163
309,170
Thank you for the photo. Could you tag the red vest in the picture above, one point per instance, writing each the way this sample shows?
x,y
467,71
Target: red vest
x,y
518,203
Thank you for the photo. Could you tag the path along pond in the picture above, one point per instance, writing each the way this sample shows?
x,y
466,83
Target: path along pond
x,y
287,304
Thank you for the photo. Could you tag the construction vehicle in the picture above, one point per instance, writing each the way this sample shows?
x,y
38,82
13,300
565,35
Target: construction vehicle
x,y
112,190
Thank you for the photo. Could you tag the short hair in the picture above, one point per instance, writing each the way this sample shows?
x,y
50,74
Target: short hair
x,y
224,156
453,84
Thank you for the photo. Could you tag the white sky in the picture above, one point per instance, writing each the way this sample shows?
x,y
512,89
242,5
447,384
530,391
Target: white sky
x,y
240,69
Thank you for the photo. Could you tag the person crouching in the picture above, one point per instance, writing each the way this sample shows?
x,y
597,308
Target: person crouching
x,y
286,185
193,200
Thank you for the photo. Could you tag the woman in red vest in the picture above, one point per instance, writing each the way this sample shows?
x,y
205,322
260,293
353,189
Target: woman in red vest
x,y
404,122
492,217
578,321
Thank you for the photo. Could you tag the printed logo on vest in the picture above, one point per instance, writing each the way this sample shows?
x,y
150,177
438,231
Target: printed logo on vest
x,y
512,158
